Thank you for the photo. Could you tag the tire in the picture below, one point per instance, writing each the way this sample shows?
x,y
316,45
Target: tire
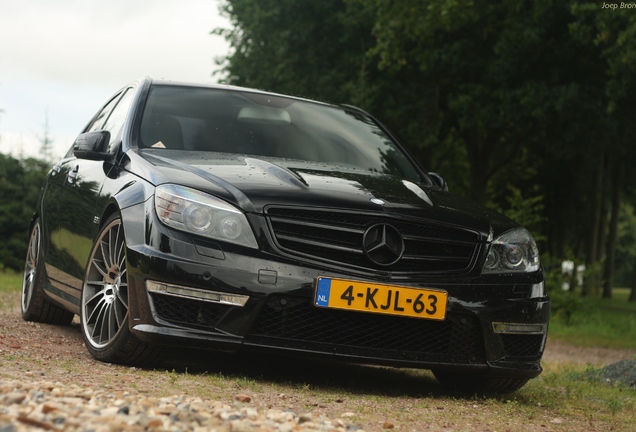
x,y
104,304
33,302
478,384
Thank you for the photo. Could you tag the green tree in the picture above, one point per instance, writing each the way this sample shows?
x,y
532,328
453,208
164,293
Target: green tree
x,y
612,34
310,49
503,71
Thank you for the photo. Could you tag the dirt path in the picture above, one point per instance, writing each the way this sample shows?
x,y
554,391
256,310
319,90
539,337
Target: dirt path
x,y
562,352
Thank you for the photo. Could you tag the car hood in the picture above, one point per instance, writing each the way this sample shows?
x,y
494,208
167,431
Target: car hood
x,y
252,184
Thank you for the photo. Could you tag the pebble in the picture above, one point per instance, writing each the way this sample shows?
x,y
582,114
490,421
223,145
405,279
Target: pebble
x,y
56,407
243,398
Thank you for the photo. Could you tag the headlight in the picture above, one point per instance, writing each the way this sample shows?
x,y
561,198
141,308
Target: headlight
x,y
513,252
196,212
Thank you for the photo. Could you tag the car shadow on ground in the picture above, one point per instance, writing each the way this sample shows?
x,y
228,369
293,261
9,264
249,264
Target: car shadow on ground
x,y
305,371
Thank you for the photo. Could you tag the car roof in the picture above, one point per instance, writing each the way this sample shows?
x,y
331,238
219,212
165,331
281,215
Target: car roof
x,y
168,82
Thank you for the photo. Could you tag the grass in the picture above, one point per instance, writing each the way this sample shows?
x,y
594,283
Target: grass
x,y
579,391
597,322
10,281
10,286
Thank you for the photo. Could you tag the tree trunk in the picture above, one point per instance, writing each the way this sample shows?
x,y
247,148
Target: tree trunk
x,y
597,199
594,243
613,232
602,243
632,295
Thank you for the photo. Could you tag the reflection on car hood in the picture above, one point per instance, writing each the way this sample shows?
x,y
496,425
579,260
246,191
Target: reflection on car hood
x,y
252,184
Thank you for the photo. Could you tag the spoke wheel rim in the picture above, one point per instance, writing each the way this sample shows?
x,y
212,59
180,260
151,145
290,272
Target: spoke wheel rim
x,y
105,292
30,268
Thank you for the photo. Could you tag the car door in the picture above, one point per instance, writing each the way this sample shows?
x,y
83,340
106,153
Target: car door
x,y
69,208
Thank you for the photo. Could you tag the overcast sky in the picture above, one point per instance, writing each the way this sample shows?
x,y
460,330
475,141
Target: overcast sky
x,y
67,57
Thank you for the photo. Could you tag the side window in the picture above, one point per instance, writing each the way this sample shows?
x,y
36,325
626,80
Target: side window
x,y
103,114
116,119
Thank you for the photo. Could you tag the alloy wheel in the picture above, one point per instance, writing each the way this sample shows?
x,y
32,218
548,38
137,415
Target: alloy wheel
x,y
30,268
105,296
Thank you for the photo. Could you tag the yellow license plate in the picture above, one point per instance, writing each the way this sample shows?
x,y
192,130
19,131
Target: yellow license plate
x,y
380,298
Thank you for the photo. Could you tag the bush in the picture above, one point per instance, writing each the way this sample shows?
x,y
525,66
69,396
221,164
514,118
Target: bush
x,y
20,183
564,302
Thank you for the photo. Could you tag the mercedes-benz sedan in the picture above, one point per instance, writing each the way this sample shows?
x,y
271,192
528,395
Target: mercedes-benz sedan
x,y
234,219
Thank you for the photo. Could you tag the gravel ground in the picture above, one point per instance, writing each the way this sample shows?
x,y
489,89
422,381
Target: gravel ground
x,y
35,392
56,406
40,391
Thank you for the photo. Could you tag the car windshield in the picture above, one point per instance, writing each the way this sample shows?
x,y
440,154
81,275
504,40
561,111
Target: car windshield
x,y
268,127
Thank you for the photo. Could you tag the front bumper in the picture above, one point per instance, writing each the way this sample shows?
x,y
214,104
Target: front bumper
x,y
279,314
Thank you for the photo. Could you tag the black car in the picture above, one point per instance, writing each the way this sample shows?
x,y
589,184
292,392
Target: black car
x,y
228,218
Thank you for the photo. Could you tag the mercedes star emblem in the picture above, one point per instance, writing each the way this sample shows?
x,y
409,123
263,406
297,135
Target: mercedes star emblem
x,y
383,244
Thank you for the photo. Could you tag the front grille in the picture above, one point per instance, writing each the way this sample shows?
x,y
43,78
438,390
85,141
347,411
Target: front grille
x,y
187,312
337,237
523,347
294,322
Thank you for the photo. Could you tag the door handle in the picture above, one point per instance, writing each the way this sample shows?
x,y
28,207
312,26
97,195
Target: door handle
x,y
72,176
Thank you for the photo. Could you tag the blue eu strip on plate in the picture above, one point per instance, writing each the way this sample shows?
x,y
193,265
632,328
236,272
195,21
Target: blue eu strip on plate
x,y
322,292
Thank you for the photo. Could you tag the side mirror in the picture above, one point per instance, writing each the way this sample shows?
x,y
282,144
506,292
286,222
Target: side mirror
x,y
438,181
92,146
